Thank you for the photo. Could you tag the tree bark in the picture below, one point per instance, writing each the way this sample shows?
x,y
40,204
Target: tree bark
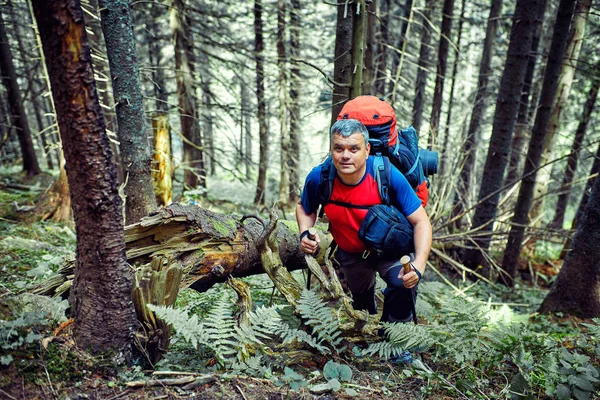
x,y
263,134
15,103
588,108
583,202
359,33
294,154
438,92
522,127
424,65
284,128
371,55
507,103
342,63
534,153
398,56
444,151
101,303
567,75
162,168
136,156
208,246
34,87
461,198
575,291
194,174
383,15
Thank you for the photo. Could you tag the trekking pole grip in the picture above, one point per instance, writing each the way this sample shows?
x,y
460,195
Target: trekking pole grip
x,y
405,261
312,233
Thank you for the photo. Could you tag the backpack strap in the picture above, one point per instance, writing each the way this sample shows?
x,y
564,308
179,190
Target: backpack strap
x,y
328,173
382,170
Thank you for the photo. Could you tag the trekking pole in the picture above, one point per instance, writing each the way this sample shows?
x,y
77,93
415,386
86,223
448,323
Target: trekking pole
x,y
405,261
311,235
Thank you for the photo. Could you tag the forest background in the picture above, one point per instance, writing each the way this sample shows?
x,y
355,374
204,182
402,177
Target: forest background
x,y
227,106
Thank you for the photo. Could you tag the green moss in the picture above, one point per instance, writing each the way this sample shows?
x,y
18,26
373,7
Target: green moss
x,y
62,364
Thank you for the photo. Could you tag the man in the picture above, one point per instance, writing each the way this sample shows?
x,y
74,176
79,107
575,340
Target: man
x,y
355,184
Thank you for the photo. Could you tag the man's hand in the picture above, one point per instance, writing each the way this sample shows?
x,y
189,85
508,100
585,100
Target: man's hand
x,y
409,274
410,279
308,245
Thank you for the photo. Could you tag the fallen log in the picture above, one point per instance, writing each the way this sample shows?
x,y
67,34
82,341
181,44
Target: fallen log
x,y
208,246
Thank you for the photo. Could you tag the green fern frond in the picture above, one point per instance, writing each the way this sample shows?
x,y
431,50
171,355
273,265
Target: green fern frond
x,y
409,336
384,349
319,316
190,329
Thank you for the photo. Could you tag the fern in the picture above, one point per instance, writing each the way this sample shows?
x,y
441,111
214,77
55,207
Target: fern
x,y
320,317
190,329
266,321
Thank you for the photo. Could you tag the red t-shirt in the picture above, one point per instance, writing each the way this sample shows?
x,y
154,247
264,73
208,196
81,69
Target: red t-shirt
x,y
345,221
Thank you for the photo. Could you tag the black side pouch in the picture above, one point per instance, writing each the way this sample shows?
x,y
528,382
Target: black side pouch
x,y
386,229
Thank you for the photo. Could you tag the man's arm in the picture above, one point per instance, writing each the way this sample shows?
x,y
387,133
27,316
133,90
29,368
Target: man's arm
x,y
422,235
306,221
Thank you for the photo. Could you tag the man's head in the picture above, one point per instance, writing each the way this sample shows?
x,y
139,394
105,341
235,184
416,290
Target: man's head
x,y
349,149
347,127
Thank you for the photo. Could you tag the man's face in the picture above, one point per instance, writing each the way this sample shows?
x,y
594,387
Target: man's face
x,y
349,155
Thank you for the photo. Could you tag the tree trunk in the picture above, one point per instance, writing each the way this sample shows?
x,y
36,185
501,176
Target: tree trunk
x,y
342,60
284,128
155,45
134,145
383,14
15,102
162,166
575,291
398,59
424,65
371,55
534,154
101,303
561,203
263,134
438,93
522,127
246,131
294,154
359,33
444,156
194,174
521,34
567,74
583,202
208,119
34,87
461,198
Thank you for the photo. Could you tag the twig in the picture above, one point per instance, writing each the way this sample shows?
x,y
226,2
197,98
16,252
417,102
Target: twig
x,y
7,395
161,382
176,373
240,390
123,393
49,381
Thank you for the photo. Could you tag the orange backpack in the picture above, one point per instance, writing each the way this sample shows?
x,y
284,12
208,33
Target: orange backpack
x,y
401,147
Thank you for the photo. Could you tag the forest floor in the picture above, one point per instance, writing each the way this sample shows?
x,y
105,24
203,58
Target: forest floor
x,y
462,353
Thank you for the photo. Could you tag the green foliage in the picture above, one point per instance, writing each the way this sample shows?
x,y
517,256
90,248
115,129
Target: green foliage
x,y
27,328
576,377
320,317
233,346
292,379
